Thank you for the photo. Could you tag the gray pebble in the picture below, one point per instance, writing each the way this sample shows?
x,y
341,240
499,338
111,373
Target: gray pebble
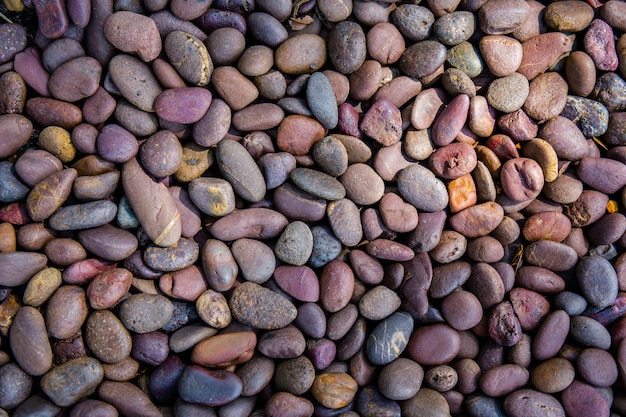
x,y
321,100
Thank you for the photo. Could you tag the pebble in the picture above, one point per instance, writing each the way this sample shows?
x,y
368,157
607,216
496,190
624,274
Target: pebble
x,y
383,122
145,313
300,282
454,28
422,189
135,81
568,16
479,405
256,260
502,54
389,338
426,402
599,43
591,116
502,17
321,100
597,367
15,384
224,350
311,320
528,402
334,389
67,383
108,242
503,380
183,105
76,79
97,407
297,134
580,399
303,53
260,307
83,216
508,94
547,97
318,184
598,281
370,402
400,379
589,333
41,286
106,337
336,285
189,57
128,399
172,258
295,376
422,58
347,46
284,404
257,223
326,246
285,343
14,41
423,349
466,57
157,214
12,189
29,342
133,33
553,375
213,196
362,184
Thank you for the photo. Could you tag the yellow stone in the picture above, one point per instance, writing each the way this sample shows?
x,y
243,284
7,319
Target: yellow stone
x,y
196,160
41,286
334,389
7,238
13,5
58,142
461,193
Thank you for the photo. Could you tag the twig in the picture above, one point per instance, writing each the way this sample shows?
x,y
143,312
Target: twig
x,y
6,19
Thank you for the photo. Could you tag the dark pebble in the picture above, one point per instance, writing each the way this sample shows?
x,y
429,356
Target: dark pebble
x,y
389,338
371,403
598,280
11,187
198,385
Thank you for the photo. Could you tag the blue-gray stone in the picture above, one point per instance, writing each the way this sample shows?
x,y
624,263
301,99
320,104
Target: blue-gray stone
x,y
164,379
326,246
454,28
597,280
371,403
11,188
322,101
466,58
479,406
591,116
588,332
83,216
318,184
198,385
570,302
389,338
126,218
610,90
172,258
183,313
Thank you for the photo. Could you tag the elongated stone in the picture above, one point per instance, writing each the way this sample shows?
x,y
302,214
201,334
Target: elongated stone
x,y
17,268
47,196
67,383
83,216
153,205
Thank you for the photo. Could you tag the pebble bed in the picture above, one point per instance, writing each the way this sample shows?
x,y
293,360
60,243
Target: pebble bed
x,y
321,207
